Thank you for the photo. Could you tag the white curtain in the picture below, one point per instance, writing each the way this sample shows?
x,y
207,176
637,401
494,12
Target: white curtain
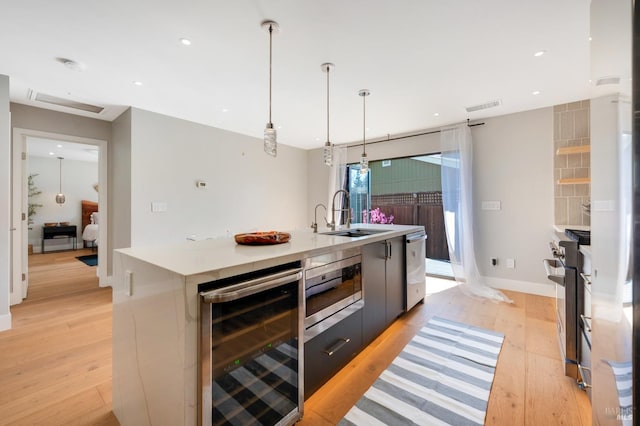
x,y
457,202
337,180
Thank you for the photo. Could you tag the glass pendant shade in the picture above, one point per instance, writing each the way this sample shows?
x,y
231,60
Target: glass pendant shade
x,y
327,154
364,164
270,140
60,198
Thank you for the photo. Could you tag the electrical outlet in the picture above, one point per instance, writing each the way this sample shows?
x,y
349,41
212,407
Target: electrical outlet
x,y
511,263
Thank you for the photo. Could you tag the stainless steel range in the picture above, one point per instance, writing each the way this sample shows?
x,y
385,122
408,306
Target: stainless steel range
x,y
564,270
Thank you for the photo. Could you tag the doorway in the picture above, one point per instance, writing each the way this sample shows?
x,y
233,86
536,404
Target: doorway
x,y
32,155
405,191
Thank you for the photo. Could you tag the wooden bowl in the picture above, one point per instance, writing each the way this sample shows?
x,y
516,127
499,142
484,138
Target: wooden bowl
x,y
64,223
262,238
47,224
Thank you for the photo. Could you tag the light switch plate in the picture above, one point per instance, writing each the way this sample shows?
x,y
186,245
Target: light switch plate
x,y
603,205
510,263
491,205
158,206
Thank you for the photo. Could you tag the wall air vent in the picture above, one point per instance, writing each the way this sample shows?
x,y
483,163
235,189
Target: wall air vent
x,y
486,105
49,99
602,81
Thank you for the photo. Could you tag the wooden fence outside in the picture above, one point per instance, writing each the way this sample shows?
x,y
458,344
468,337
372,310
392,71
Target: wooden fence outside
x,y
418,208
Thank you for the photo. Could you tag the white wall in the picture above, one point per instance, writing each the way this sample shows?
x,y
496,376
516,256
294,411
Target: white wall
x,y
513,160
247,190
120,183
513,164
78,178
5,209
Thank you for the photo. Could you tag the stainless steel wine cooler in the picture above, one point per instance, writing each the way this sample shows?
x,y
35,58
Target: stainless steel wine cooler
x,y
251,348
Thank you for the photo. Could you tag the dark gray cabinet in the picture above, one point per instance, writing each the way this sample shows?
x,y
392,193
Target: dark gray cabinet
x,y
383,281
328,352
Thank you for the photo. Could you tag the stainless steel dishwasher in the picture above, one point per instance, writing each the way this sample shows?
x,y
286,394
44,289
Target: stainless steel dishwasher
x,y
415,254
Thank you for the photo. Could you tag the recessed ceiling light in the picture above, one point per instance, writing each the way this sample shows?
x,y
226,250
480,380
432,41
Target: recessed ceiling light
x,y
59,146
225,110
51,153
436,114
535,92
539,53
137,83
279,127
185,41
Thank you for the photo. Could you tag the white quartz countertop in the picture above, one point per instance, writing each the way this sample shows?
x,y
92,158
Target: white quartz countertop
x,y
210,257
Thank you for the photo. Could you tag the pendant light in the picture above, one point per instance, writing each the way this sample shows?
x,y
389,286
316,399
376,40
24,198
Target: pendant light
x,y
327,152
364,162
270,136
60,198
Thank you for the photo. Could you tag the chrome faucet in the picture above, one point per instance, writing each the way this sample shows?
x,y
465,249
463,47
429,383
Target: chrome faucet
x,y
314,225
333,210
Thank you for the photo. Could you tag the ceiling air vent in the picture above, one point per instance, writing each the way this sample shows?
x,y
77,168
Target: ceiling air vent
x,y
49,99
486,105
602,81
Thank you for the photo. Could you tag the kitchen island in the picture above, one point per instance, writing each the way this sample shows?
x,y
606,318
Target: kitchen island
x,y
156,314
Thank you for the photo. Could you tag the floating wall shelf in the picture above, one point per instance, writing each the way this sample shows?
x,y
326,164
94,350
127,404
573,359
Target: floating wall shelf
x,y
574,149
572,181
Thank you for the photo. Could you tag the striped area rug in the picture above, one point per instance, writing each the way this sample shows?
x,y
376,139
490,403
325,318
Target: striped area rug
x,y
442,377
622,372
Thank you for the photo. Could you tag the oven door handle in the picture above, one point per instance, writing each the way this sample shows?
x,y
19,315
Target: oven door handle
x,y
247,288
554,270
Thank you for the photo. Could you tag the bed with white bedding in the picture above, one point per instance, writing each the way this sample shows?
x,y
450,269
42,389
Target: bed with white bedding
x,y
90,219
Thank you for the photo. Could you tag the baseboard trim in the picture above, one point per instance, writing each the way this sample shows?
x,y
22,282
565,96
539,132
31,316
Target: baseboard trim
x,y
106,282
5,322
529,287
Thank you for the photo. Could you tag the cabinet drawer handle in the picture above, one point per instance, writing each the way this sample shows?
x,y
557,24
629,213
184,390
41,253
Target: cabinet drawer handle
x,y
582,382
335,348
585,321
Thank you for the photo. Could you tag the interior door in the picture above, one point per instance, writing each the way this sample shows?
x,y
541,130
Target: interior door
x,y
19,225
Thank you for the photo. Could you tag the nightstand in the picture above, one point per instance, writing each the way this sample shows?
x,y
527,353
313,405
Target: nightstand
x,y
51,232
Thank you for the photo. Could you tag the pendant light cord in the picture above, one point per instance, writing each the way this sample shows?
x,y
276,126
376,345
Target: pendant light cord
x,y
328,69
364,124
270,60
59,158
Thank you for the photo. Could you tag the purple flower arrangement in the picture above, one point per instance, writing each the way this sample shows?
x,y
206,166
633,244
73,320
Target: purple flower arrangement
x,y
376,216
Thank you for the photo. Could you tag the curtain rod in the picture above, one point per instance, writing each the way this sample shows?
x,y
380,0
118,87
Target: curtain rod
x,y
395,138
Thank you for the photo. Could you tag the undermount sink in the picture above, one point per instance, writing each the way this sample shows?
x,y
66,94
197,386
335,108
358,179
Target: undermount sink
x,y
354,233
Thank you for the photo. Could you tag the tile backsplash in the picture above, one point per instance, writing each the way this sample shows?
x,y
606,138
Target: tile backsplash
x,y
571,129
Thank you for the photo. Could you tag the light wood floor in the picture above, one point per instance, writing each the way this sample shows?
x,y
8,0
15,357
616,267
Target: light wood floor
x,y
529,386
55,364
